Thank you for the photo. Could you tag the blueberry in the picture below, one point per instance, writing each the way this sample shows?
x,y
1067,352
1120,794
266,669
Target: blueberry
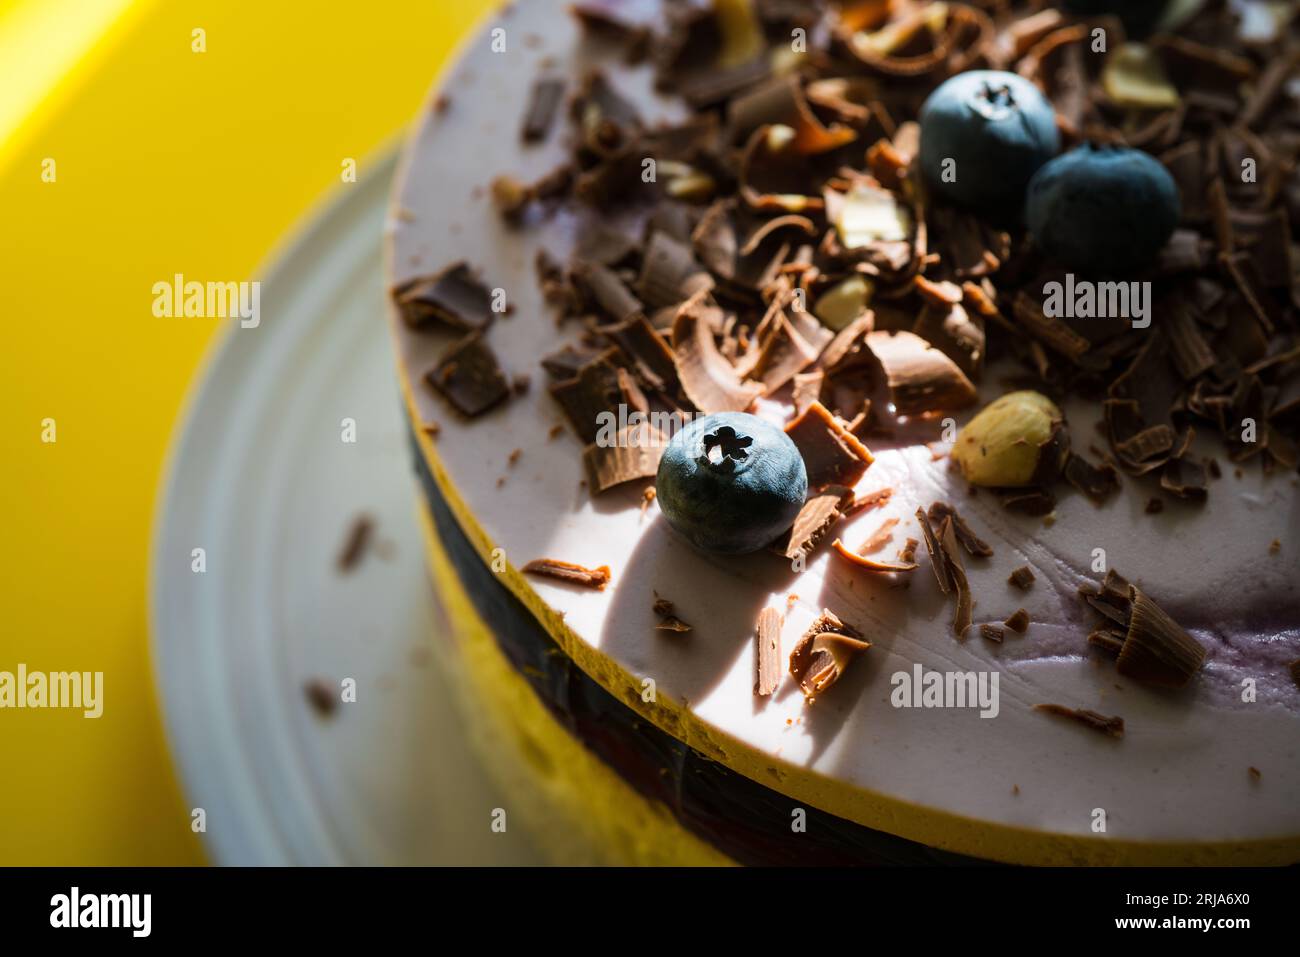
x,y
1138,16
731,483
997,128
1102,209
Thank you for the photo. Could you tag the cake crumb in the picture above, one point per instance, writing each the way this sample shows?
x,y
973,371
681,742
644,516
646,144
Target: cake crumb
x,y
1275,546
1015,789
1022,577
556,431
431,429
1254,772
647,497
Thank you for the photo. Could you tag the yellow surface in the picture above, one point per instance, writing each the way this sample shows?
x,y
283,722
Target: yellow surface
x,y
167,161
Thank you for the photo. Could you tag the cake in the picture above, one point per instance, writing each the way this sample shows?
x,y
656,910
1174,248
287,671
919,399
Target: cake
x,y
1040,606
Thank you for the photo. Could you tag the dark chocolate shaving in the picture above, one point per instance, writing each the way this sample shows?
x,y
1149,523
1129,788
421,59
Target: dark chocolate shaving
x,y
543,103
454,298
1096,483
469,377
1150,645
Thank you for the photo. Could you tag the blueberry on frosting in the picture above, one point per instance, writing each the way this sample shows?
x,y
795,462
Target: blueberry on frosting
x,y
1102,209
731,483
984,133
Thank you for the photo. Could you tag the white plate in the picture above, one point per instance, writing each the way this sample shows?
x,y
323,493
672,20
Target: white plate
x,y
261,479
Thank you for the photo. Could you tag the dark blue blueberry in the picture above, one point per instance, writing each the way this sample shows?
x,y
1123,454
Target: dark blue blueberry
x,y
731,483
1138,16
997,128
1102,209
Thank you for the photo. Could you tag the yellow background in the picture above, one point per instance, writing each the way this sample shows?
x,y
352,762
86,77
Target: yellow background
x,y
167,161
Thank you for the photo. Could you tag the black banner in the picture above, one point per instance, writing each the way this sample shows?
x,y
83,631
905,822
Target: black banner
x,y
207,906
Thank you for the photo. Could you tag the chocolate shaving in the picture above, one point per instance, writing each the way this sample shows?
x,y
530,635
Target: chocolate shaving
x,y
819,514
767,652
964,606
634,454
543,103
595,390
823,652
1048,330
870,564
807,389
879,538
1150,645
832,455
877,499
672,623
976,546
322,696
707,378
1186,479
781,101
1156,650
454,298
992,633
354,546
602,288
670,273
469,377
1018,622
921,379
1113,727
783,353
937,561
594,578
1096,483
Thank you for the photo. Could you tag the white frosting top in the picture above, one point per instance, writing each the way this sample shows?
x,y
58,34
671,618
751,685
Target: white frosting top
x,y
1180,771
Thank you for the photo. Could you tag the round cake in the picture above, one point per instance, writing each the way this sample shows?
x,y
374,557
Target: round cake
x,y
1039,605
